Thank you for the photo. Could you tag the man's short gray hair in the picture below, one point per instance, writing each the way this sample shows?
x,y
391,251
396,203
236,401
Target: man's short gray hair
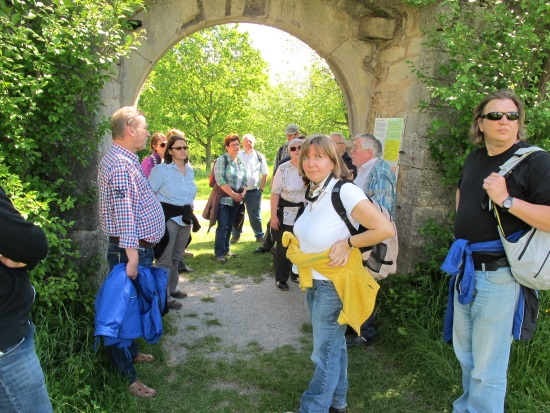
x,y
343,139
368,141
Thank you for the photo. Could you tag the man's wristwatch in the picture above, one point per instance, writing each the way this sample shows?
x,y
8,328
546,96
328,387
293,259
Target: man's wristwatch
x,y
507,203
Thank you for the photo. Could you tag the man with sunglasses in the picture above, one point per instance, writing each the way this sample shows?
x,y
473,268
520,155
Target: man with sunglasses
x,y
486,298
131,216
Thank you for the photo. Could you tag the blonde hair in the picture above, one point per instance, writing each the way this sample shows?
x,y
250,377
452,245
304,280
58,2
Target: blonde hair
x,y
324,145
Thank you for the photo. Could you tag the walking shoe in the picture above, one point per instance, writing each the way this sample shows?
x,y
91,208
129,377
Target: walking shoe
x,y
358,341
221,259
335,410
282,285
188,253
234,240
260,250
182,267
144,358
260,239
174,305
295,278
179,294
139,389
231,254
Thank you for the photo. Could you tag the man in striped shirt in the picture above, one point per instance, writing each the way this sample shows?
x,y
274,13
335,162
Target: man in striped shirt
x,y
131,215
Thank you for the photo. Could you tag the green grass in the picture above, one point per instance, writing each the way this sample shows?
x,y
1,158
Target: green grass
x,y
410,370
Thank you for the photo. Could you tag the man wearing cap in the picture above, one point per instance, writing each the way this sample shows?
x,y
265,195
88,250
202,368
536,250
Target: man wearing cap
x,y
131,215
340,142
292,131
256,176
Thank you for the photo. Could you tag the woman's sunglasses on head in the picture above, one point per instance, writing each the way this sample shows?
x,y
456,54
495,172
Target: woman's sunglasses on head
x,y
499,115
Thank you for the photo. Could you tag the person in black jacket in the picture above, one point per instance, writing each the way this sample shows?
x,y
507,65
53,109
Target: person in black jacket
x,y
22,245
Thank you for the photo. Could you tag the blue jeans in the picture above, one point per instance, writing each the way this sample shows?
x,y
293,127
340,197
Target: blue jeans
x,y
253,202
329,385
22,383
226,216
119,359
482,337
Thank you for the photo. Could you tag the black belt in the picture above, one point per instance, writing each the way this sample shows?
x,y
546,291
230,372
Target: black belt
x,y
492,265
141,242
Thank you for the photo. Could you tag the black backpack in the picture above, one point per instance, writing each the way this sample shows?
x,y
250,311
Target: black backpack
x,y
380,259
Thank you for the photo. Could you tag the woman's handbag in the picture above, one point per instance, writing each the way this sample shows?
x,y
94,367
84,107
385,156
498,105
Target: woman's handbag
x,y
529,256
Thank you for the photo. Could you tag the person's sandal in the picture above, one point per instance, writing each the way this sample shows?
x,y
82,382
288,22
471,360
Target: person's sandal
x,y
139,389
144,358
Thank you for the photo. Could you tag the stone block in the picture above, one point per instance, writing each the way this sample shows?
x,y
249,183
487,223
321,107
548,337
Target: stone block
x,y
376,29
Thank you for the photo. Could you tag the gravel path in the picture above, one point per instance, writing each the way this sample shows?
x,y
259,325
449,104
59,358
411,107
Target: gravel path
x,y
238,312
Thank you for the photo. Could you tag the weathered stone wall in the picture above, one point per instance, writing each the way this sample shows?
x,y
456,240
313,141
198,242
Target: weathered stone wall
x,y
367,45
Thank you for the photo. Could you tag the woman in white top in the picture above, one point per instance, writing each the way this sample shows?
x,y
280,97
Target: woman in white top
x,y
174,183
320,228
287,203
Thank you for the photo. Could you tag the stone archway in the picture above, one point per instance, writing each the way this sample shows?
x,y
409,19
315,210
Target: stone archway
x,y
367,45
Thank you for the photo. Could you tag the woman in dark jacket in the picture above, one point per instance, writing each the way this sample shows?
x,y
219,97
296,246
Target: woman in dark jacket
x,y
22,245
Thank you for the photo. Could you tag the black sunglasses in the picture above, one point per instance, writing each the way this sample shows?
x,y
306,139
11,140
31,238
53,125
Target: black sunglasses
x,y
295,148
163,144
179,148
499,115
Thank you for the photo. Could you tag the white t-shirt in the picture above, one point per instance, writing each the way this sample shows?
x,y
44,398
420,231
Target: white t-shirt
x,y
255,168
288,184
319,226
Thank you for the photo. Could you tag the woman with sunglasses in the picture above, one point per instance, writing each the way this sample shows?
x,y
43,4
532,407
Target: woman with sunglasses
x,y
158,146
174,183
287,203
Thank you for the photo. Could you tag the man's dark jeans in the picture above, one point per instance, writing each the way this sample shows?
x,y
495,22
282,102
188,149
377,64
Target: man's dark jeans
x,y
118,356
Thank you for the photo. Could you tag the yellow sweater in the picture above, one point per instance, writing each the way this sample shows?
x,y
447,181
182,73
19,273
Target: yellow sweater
x,y
353,283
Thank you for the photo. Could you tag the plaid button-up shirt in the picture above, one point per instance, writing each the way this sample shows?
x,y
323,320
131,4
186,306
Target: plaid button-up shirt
x,y
128,207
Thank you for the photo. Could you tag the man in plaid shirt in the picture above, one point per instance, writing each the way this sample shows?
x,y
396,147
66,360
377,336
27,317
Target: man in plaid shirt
x,y
131,215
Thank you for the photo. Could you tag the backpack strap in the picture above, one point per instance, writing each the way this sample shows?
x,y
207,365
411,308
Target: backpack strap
x,y
511,164
339,206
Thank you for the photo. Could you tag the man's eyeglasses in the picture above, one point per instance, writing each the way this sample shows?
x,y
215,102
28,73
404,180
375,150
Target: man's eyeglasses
x,y
163,144
179,148
499,115
294,148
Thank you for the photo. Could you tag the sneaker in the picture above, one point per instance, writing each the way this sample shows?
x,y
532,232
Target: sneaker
x,y
221,259
230,254
174,305
260,250
260,239
282,285
234,240
179,294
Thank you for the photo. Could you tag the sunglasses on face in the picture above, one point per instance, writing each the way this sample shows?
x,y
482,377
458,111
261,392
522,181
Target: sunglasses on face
x,y
179,148
163,144
499,115
295,148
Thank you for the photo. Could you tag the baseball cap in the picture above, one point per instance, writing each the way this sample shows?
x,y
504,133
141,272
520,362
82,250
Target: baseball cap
x,y
291,129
